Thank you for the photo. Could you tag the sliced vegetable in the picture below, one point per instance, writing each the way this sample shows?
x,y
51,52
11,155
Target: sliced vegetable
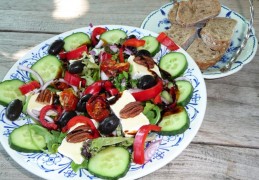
x,y
97,32
174,63
139,142
166,41
49,67
150,93
113,36
175,122
152,112
25,139
134,42
68,99
74,54
76,40
9,91
81,119
151,45
74,79
110,163
25,88
43,113
98,108
185,89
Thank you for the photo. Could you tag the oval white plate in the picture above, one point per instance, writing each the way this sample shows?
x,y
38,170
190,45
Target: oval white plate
x,y
56,166
157,21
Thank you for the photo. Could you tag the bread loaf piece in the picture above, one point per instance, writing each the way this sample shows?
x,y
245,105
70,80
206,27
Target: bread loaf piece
x,y
193,12
181,35
203,55
172,13
218,32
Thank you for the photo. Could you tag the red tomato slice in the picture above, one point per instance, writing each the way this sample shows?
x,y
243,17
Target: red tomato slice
x,y
97,108
68,100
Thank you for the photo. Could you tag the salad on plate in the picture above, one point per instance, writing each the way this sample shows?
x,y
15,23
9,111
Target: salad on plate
x,y
100,99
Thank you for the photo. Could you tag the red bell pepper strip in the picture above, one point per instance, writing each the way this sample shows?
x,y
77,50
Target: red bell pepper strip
x,y
166,41
134,42
121,55
74,54
150,93
158,99
94,88
97,31
139,142
25,88
43,112
81,119
74,79
98,86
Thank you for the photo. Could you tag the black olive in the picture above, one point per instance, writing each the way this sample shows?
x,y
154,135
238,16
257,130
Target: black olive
x,y
132,36
76,67
56,47
14,109
80,107
65,117
143,52
108,125
146,82
56,100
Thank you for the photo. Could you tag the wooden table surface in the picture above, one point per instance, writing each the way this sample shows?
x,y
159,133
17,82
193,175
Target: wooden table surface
x,y
227,144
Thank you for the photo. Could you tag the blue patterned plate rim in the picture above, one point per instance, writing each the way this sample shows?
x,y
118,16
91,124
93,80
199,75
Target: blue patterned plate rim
x,y
56,166
157,21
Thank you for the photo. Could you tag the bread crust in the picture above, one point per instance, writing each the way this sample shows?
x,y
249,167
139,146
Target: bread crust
x,y
193,12
212,36
203,55
181,35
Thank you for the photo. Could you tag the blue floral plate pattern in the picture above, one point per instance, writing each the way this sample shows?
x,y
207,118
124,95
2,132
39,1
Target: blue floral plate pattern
x,y
56,166
157,21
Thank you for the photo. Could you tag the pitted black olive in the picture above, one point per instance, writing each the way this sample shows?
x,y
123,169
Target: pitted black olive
x,y
14,109
132,36
76,67
56,47
108,125
56,100
81,105
146,82
143,52
65,117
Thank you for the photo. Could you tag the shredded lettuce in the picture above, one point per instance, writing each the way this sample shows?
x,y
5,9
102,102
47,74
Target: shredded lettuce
x,y
75,167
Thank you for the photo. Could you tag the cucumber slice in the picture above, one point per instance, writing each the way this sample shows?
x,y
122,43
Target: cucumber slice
x,y
151,45
76,40
110,163
185,92
113,36
174,63
175,123
24,139
49,67
9,91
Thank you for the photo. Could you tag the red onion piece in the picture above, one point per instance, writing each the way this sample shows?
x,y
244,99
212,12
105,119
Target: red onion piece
x,y
128,51
114,48
49,119
24,68
35,112
151,149
104,76
46,84
32,115
99,45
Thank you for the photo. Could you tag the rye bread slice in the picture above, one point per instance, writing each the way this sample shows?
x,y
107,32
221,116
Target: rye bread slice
x,y
182,36
203,55
172,13
218,32
193,12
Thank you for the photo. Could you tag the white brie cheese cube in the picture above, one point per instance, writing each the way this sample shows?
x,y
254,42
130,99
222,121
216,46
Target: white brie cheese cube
x,y
139,70
130,126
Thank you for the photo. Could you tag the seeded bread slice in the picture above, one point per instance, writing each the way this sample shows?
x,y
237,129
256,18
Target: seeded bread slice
x,y
193,12
203,55
182,36
218,32
172,13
